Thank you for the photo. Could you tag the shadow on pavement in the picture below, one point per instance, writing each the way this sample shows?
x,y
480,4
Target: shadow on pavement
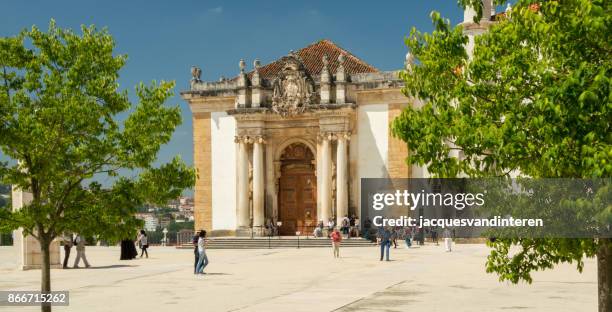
x,y
217,274
114,266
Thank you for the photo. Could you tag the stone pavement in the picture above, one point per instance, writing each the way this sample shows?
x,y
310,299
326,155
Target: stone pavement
x,y
419,279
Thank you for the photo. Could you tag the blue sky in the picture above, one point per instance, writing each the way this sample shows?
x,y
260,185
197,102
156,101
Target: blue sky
x,y
164,38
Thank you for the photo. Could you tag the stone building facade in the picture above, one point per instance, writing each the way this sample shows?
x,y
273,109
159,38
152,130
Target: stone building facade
x,y
288,142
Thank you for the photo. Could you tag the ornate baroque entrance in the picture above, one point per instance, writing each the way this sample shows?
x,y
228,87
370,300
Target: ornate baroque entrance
x,y
297,190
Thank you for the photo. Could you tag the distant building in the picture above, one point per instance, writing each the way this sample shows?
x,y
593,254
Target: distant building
x,y
165,221
185,204
150,220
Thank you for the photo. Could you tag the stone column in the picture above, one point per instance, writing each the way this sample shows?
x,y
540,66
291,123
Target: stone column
x,y
326,187
318,167
258,184
243,183
341,177
27,248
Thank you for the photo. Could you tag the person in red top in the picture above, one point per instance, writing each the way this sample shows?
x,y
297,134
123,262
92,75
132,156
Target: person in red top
x,y
336,239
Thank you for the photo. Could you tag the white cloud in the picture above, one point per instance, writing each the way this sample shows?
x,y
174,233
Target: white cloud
x,y
217,10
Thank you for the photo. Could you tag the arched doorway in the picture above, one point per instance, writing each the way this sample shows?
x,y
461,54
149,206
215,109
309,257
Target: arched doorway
x,y
297,196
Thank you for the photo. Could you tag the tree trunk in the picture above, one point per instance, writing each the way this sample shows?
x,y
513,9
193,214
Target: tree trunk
x,y
45,286
604,274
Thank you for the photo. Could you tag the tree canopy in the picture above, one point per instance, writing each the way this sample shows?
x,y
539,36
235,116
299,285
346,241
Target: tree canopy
x,y
67,126
533,98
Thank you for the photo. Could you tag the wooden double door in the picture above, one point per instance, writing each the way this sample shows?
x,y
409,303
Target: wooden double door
x,y
298,201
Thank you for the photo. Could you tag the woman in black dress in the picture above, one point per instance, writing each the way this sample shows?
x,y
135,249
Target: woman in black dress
x,y
128,249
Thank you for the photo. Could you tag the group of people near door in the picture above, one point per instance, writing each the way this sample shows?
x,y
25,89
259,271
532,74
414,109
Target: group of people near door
x,y
128,248
349,227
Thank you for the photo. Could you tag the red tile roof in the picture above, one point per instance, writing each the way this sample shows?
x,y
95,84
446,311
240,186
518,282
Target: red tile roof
x,y
312,58
534,7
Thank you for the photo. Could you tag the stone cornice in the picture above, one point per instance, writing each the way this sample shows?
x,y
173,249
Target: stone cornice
x,y
230,87
311,112
210,104
384,96
483,25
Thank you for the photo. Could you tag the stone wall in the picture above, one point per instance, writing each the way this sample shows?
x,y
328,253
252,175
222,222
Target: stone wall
x,y
223,171
202,162
398,149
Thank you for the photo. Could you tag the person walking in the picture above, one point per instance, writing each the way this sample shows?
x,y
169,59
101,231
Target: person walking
x,y
196,253
202,258
336,238
79,241
447,240
68,243
408,237
385,243
144,243
434,236
421,232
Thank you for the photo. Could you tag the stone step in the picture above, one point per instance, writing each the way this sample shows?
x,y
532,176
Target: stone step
x,y
283,243
263,243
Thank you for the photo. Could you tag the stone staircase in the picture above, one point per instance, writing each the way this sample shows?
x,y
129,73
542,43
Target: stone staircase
x,y
276,242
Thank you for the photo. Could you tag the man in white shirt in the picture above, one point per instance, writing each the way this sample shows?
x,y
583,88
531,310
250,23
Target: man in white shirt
x,y
447,240
80,247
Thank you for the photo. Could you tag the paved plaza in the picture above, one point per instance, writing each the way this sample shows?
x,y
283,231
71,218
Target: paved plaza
x,y
419,279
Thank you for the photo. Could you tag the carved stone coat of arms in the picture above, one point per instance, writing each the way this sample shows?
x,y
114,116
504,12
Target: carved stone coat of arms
x,y
293,89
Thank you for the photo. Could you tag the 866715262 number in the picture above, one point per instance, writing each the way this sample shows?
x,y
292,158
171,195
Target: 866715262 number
x,y
30,298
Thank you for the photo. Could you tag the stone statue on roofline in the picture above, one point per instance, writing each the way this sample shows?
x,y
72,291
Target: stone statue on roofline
x,y
196,73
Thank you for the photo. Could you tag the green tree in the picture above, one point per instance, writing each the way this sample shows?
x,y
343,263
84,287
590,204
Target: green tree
x,y
59,103
534,97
